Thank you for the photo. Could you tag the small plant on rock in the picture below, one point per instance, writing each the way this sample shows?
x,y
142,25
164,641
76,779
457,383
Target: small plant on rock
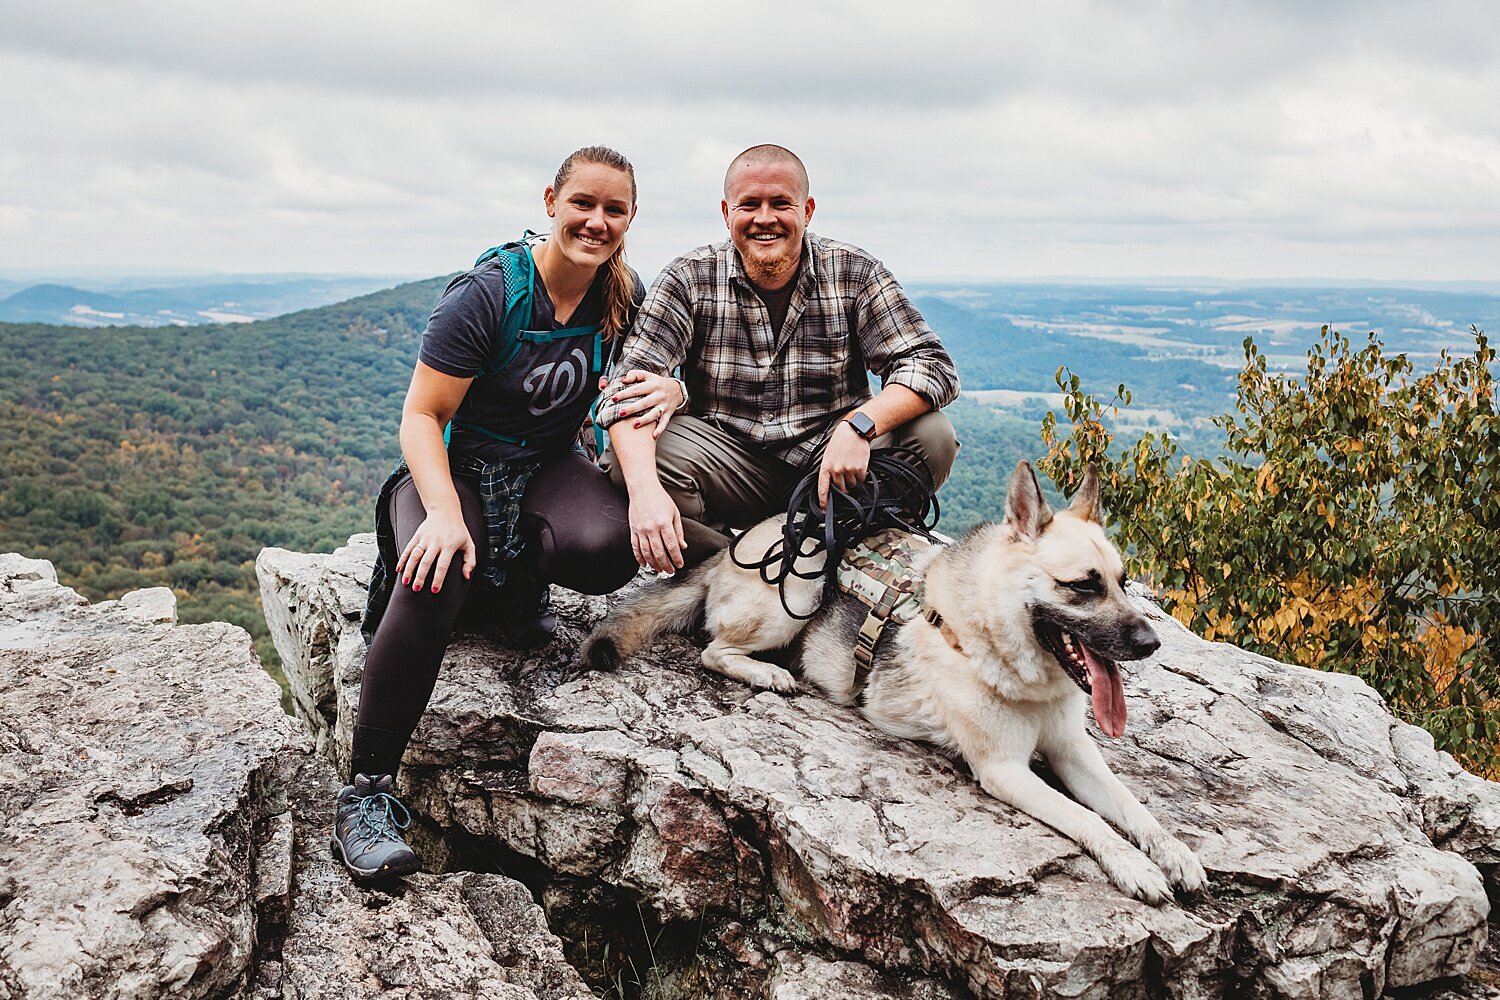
x,y
1350,524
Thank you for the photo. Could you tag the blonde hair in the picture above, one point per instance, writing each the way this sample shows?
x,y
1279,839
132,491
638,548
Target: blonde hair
x,y
619,292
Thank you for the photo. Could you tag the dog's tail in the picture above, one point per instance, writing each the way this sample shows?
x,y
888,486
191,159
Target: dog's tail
x,y
674,604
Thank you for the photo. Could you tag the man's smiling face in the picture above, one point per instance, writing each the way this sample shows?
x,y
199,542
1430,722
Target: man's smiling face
x,y
767,209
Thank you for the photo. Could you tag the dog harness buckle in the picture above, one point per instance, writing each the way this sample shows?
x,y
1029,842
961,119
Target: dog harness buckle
x,y
869,633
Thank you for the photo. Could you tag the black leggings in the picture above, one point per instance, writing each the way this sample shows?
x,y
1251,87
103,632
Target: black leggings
x,y
577,532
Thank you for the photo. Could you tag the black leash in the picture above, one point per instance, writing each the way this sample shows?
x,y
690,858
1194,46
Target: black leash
x,y
897,493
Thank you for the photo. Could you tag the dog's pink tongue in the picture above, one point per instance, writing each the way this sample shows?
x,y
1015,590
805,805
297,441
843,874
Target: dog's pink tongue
x,y
1109,694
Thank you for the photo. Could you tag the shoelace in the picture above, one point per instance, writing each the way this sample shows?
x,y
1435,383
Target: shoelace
x,y
897,493
377,813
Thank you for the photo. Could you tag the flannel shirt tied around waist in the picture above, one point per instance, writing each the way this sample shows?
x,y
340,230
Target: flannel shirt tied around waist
x,y
501,487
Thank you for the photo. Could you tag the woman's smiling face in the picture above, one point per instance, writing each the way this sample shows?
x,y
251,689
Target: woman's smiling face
x,y
591,213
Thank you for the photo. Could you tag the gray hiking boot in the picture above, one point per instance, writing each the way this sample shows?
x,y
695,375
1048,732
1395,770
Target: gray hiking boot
x,y
367,830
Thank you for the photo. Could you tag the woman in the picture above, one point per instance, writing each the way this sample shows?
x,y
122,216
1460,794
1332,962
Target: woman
x,y
492,478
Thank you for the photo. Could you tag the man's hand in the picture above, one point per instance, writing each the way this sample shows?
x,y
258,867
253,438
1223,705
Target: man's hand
x,y
655,525
656,529
846,461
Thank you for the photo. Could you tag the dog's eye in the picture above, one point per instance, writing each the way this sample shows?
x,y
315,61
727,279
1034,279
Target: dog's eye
x,y
1089,585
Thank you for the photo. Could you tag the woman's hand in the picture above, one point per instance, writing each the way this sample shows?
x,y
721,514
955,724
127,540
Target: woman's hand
x,y
431,550
430,403
649,398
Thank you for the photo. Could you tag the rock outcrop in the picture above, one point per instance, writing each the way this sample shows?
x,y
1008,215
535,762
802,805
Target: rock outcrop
x,y
432,936
791,846
163,825
138,769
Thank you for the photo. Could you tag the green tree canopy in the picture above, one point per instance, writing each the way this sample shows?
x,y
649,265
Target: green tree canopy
x,y
1350,524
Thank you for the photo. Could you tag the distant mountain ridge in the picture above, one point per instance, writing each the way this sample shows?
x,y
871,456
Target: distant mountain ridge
x,y
179,304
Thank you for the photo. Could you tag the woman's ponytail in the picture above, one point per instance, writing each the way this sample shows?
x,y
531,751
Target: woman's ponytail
x,y
619,295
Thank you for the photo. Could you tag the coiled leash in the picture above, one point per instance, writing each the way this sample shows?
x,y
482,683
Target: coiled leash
x,y
897,493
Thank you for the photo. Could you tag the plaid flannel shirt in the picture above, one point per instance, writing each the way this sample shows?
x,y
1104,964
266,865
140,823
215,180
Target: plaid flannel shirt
x,y
847,317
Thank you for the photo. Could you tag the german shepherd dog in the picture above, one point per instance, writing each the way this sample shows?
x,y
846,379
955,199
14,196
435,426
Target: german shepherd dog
x,y
1033,617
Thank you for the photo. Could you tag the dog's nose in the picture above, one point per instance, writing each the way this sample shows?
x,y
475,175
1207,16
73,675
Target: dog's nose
x,y
1143,640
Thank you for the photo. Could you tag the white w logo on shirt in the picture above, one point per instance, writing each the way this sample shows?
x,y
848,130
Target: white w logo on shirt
x,y
556,383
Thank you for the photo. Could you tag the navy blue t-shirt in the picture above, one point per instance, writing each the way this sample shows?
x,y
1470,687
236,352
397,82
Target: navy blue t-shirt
x,y
461,340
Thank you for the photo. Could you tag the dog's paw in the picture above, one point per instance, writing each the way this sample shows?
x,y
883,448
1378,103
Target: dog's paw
x,y
769,677
1181,865
1135,875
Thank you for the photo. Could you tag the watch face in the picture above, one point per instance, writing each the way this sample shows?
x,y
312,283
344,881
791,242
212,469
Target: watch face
x,y
863,425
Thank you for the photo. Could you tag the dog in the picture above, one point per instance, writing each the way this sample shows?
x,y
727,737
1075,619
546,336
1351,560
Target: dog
x,y
1025,623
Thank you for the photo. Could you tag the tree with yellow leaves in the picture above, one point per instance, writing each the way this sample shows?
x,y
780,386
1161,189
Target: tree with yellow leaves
x,y
1350,524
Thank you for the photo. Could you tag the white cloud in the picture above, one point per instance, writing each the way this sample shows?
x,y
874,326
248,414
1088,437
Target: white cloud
x,y
1238,139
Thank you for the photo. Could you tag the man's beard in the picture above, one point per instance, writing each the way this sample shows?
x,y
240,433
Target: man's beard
x,y
770,272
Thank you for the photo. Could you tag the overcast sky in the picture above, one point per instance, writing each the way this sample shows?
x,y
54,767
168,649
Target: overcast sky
x,y
952,139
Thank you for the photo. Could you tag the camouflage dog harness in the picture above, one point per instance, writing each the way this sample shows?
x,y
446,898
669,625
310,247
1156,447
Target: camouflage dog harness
x,y
878,572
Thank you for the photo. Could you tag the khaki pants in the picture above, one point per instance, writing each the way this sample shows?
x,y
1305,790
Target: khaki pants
x,y
719,480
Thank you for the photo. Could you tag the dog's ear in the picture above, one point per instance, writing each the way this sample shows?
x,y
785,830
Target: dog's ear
x,y
1086,505
1026,512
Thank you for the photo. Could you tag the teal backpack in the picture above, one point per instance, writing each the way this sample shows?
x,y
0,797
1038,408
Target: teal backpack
x,y
519,271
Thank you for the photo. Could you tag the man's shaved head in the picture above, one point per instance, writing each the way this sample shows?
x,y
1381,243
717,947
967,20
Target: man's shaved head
x,y
768,153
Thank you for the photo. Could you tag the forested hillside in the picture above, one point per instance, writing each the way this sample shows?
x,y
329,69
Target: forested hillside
x,y
142,457
170,456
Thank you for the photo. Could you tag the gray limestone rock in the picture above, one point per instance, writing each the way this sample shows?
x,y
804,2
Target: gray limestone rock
x,y
807,977
152,606
1342,849
310,613
14,566
429,936
163,831
137,764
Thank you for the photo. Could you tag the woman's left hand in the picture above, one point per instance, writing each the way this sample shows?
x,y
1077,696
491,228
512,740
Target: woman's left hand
x,y
650,398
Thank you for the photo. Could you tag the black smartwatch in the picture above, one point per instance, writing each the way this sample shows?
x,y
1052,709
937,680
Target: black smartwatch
x,y
862,424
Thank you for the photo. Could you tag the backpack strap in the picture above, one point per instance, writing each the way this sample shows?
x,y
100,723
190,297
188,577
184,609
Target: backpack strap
x,y
605,366
518,270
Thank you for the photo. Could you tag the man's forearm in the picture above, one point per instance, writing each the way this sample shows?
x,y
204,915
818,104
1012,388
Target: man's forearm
x,y
893,406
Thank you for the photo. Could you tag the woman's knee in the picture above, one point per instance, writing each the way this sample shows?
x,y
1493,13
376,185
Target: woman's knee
x,y
424,617
592,558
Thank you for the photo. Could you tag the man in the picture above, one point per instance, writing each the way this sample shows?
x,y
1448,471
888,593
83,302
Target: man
x,y
774,330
